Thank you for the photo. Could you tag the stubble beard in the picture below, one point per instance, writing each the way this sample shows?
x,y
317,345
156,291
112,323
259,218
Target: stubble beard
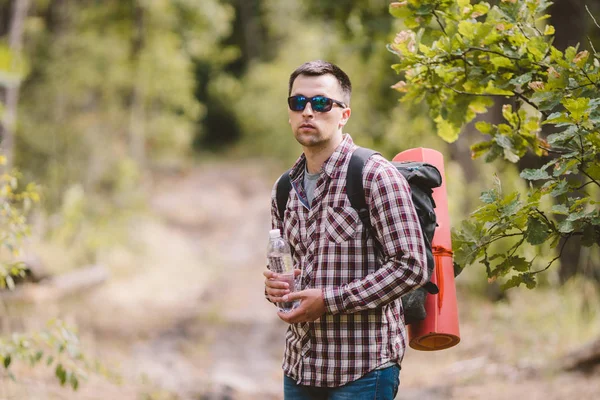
x,y
314,139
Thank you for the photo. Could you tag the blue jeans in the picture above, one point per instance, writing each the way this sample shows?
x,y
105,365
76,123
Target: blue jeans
x,y
381,384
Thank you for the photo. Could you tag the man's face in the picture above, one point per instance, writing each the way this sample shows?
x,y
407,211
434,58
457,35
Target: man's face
x,y
313,128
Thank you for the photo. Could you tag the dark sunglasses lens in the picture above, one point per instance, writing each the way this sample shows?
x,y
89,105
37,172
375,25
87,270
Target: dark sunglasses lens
x,y
297,103
321,103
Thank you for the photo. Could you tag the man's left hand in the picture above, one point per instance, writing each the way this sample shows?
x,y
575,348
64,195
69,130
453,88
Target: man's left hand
x,y
311,308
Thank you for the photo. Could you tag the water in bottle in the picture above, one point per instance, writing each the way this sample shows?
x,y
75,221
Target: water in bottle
x,y
280,262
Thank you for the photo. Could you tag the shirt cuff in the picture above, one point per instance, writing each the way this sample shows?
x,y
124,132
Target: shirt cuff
x,y
334,299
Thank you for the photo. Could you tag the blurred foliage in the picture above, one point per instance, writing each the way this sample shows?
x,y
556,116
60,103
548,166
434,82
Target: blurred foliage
x,y
16,201
104,72
258,98
57,347
456,56
117,88
110,93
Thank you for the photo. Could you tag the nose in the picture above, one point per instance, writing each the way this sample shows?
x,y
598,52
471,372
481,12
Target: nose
x,y
308,111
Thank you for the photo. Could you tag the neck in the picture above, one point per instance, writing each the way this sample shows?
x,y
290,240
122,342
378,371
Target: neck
x,y
317,155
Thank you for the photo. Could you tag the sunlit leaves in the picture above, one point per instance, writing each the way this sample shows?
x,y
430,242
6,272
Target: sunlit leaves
x,y
57,345
17,200
505,51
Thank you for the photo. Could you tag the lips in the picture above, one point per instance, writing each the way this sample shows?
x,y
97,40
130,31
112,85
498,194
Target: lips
x,y
307,126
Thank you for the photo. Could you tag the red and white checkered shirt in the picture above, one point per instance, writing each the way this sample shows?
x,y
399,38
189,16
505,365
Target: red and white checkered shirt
x,y
363,327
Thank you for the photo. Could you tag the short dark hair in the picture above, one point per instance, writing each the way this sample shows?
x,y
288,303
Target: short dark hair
x,y
318,68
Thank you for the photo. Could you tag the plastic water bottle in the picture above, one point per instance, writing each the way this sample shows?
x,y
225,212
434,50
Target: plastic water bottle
x,y
280,262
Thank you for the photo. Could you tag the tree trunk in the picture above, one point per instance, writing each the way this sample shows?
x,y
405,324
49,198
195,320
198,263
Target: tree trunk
x,y
572,24
137,142
251,29
15,42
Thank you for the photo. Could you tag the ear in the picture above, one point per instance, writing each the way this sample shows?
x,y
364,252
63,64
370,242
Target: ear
x,y
345,117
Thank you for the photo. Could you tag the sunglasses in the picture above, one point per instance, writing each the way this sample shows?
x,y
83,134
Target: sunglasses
x,y
317,103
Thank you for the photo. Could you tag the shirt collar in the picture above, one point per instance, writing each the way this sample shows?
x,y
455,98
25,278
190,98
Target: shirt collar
x,y
331,165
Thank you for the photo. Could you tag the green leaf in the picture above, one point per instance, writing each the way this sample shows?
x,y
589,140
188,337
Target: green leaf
x,y
529,280
501,62
559,138
579,215
467,29
7,361
564,167
480,104
483,127
578,108
514,281
478,149
534,174
537,231
561,188
501,269
566,226
424,9
506,143
570,53
511,205
61,374
557,118
546,100
537,46
549,30
492,89
560,209
489,196
399,10
38,356
481,8
519,263
521,79
446,130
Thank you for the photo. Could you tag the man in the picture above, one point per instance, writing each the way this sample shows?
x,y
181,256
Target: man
x,y
347,337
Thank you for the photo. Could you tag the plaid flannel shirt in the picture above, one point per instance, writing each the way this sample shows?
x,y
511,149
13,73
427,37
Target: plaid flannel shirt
x,y
363,327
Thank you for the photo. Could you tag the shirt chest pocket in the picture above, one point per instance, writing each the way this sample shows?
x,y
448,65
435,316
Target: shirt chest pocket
x,y
293,228
341,224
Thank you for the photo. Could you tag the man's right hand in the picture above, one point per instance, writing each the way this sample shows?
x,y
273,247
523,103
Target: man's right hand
x,y
274,288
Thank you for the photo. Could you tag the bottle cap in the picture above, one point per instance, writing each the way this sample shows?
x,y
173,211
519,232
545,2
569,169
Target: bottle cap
x,y
274,233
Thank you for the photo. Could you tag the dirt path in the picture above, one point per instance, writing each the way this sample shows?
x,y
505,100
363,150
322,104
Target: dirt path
x,y
183,316
218,339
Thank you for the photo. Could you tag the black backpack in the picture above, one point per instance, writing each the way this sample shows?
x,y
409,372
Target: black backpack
x,y
422,178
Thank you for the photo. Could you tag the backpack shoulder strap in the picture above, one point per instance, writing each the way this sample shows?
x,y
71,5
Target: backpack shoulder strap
x,y
354,183
282,193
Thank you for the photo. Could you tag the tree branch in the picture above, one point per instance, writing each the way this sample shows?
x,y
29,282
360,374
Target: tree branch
x,y
439,23
584,185
555,258
526,100
476,94
592,15
484,50
546,218
589,176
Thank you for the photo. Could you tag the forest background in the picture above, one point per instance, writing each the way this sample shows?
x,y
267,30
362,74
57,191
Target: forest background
x,y
141,140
